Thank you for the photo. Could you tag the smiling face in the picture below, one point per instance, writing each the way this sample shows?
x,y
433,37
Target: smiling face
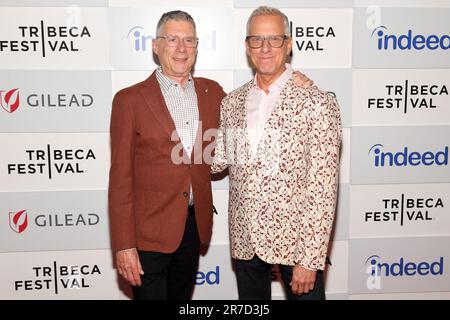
x,y
268,61
176,62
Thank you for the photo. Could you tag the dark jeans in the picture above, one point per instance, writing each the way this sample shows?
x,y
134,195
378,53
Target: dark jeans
x,y
171,276
254,281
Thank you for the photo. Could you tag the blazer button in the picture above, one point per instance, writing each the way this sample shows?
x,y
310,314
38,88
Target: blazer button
x,y
185,194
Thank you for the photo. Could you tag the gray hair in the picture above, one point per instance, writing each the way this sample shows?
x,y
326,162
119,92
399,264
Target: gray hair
x,y
173,15
268,11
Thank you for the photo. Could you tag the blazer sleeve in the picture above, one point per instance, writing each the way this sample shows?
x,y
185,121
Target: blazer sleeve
x,y
120,194
324,140
220,158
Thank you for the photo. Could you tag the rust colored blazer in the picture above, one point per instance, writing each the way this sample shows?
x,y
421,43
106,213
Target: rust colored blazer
x,y
148,192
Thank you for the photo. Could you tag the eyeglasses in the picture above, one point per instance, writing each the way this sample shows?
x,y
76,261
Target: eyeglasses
x,y
255,42
173,41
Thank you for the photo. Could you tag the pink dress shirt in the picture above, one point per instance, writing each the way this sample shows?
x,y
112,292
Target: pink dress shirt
x,y
260,106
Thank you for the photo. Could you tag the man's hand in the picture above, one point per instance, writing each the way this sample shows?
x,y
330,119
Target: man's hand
x,y
302,280
302,80
129,266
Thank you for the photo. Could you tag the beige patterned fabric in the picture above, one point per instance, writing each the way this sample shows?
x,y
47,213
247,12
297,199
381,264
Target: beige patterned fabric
x,y
281,202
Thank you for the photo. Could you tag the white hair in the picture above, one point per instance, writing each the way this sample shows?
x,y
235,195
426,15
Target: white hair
x,y
177,15
268,11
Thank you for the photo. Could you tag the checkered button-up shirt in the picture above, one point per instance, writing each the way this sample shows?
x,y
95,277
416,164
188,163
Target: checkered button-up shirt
x,y
183,107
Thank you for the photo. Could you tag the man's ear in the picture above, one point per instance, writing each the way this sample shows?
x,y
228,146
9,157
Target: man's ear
x,y
289,46
155,46
247,48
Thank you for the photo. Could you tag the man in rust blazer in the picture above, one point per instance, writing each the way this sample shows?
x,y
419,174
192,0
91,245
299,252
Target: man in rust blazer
x,y
160,200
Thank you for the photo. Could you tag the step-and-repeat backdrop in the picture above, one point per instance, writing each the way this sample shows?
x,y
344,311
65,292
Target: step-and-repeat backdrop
x,y
387,62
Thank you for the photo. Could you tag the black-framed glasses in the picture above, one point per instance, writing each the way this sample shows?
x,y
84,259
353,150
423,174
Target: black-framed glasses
x,y
173,41
256,42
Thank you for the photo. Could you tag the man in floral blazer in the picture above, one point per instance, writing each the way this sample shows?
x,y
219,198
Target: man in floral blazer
x,y
281,144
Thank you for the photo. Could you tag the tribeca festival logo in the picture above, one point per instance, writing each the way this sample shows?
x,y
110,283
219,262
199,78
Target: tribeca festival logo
x,y
404,210
409,40
309,38
377,269
45,39
9,100
142,40
407,157
52,161
409,96
56,278
18,221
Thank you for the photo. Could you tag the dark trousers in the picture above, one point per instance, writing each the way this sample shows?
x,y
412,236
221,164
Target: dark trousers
x,y
254,281
171,276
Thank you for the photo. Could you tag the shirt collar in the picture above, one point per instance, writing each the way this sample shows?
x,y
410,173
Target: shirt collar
x,y
282,79
166,83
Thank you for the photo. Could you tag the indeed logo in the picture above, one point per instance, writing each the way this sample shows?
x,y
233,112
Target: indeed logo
x,y
410,40
408,158
376,269
211,277
142,41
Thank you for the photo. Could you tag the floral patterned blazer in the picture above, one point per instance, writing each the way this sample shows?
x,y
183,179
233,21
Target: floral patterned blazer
x,y
282,200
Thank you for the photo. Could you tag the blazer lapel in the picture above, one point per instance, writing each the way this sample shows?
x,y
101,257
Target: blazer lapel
x,y
274,125
154,99
202,100
242,121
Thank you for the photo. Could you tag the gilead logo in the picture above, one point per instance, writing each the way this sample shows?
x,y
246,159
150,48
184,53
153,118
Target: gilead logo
x,y
18,221
406,157
9,100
